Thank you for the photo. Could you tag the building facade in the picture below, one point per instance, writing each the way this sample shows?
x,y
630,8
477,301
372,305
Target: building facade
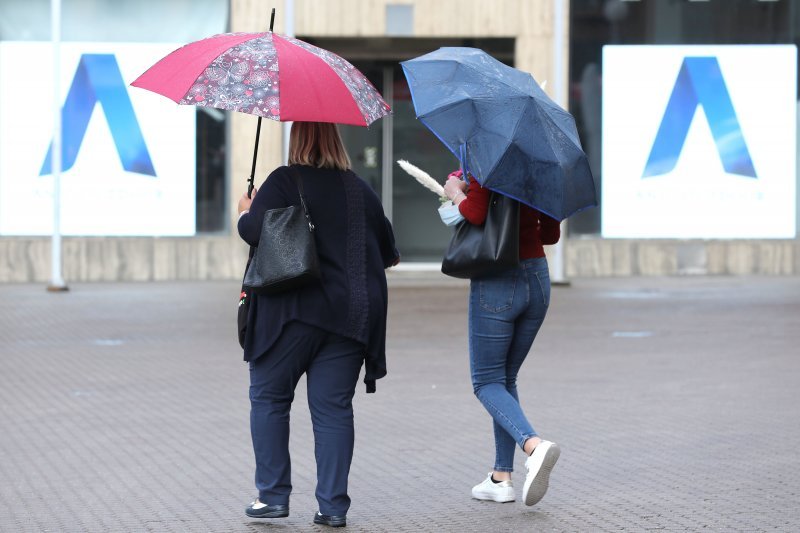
x,y
571,45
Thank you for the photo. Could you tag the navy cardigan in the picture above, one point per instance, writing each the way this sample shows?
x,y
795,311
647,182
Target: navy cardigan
x,y
355,243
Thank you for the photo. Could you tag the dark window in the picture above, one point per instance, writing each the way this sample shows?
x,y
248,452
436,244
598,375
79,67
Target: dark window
x,y
211,170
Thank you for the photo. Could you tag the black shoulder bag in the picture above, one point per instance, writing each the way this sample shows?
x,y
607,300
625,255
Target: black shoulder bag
x,y
478,251
286,255
244,302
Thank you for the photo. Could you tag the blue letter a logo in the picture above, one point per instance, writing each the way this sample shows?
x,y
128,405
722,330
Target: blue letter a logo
x,y
98,79
700,82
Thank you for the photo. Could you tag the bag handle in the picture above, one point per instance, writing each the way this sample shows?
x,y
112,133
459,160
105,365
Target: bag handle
x,y
298,180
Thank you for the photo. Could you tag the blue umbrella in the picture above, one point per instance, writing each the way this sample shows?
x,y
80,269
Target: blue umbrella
x,y
503,128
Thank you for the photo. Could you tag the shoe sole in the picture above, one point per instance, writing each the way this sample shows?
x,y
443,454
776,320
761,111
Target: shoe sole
x,y
536,489
330,524
486,497
274,514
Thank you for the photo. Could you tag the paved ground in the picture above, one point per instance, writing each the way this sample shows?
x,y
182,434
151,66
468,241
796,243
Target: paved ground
x,y
123,407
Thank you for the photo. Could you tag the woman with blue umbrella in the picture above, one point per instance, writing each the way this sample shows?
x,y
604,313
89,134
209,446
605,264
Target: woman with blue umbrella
x,y
506,310
511,139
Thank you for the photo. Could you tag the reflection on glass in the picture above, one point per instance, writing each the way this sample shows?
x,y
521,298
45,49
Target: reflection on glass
x,y
365,145
421,236
210,185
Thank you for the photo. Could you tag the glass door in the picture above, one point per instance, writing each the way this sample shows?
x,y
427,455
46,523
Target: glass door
x,y
365,145
421,235
374,151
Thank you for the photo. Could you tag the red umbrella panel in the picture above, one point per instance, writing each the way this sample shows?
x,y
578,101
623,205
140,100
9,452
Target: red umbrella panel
x,y
269,75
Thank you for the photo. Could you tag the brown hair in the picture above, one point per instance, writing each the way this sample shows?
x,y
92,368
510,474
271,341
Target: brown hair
x,y
317,144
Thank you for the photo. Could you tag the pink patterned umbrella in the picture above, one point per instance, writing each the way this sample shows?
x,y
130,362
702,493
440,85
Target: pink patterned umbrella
x,y
268,75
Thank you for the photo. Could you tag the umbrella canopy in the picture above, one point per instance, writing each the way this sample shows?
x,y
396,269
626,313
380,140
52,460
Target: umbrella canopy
x,y
503,128
268,75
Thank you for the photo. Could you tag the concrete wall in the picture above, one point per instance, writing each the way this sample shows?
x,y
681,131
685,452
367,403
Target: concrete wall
x,y
128,259
615,257
143,259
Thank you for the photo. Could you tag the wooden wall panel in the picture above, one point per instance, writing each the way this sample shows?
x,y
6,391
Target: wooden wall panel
x,y
432,18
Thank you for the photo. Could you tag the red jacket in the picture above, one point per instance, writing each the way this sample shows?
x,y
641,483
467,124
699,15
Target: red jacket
x,y
535,228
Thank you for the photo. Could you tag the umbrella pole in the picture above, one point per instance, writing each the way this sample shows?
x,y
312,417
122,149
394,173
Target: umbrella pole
x,y
250,181
255,158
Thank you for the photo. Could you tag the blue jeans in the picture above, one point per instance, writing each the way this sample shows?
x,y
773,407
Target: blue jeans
x,y
505,314
331,364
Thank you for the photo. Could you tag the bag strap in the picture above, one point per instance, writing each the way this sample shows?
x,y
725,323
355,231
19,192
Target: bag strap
x,y
298,180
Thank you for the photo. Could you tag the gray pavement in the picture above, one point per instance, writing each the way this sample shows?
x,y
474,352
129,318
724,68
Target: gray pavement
x,y
123,407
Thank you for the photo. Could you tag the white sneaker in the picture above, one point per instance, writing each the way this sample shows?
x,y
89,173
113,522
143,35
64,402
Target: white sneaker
x,y
539,465
496,492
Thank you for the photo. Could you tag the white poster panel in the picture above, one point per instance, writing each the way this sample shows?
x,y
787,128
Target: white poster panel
x,y
699,141
132,169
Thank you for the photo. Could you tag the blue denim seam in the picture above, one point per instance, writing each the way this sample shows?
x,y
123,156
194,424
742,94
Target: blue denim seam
x,y
497,465
510,423
527,291
541,287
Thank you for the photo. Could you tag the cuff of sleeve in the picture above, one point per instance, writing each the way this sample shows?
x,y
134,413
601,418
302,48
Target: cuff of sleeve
x,y
243,213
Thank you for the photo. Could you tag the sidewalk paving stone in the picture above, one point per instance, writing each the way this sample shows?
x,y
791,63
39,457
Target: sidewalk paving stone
x,y
123,407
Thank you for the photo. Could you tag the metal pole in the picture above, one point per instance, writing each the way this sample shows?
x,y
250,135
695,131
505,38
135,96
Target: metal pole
x,y
557,259
288,8
56,281
387,187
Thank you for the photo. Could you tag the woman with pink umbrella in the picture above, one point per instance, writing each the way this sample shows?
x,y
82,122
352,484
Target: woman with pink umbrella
x,y
325,330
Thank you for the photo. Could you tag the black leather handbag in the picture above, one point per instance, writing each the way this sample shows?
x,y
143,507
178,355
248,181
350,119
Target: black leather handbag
x,y
286,255
478,251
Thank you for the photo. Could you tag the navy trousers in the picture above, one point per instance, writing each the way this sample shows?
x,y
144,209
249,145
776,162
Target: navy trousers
x,y
332,364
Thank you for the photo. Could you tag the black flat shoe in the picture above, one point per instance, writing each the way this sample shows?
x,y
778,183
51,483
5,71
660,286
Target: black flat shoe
x,y
266,511
327,520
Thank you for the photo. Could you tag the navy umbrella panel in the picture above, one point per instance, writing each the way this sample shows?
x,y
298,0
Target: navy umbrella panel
x,y
503,128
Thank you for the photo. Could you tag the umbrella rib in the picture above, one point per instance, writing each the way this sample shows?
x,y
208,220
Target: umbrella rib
x,y
447,107
525,202
547,101
436,134
497,163
472,67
